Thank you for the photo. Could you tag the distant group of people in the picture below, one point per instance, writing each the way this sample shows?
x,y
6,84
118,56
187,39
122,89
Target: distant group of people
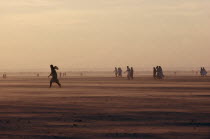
x,y
62,74
203,72
158,72
118,72
130,72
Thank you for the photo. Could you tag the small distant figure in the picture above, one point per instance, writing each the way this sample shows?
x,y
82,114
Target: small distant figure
x,y
4,76
128,73
54,76
119,72
115,72
154,73
175,73
81,74
159,71
37,75
132,72
203,72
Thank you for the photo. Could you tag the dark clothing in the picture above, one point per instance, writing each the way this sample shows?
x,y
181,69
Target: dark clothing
x,y
132,73
154,73
54,76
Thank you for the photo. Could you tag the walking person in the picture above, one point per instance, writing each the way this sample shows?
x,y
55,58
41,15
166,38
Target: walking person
x,y
115,72
158,73
128,73
54,76
154,73
119,72
161,72
132,72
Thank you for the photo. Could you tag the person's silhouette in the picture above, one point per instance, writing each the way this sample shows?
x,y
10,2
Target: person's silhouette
x,y
154,72
132,72
115,71
54,76
128,73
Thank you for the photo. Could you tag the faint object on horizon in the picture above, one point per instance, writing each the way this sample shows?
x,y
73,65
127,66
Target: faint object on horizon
x,y
81,74
64,74
4,76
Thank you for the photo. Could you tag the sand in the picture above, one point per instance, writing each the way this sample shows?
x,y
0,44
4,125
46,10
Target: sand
x,y
105,108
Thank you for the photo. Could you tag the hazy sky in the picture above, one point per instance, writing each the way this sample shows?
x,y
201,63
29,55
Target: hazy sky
x,y
104,33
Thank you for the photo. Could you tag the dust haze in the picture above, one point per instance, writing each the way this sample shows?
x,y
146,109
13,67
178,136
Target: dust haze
x,y
102,34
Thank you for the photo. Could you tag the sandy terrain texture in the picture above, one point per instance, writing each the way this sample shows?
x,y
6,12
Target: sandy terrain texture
x,y
105,108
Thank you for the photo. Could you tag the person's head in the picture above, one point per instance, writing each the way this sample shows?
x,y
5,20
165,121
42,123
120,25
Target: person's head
x,y
51,66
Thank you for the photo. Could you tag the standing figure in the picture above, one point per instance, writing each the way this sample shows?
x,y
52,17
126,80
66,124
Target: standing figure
x,y
161,72
119,72
54,76
128,73
158,72
4,76
154,73
203,72
115,71
132,72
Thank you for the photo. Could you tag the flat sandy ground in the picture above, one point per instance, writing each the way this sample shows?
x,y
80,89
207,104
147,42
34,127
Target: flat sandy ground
x,y
105,108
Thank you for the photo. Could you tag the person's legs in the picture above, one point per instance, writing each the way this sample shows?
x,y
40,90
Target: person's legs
x,y
58,83
128,76
50,84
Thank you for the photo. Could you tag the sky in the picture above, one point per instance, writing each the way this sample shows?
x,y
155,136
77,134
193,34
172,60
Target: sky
x,y
102,34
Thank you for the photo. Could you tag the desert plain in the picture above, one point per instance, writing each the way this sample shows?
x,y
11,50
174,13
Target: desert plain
x,y
105,108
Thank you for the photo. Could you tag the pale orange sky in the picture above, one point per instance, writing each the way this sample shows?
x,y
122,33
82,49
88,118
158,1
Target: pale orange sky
x,y
104,33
